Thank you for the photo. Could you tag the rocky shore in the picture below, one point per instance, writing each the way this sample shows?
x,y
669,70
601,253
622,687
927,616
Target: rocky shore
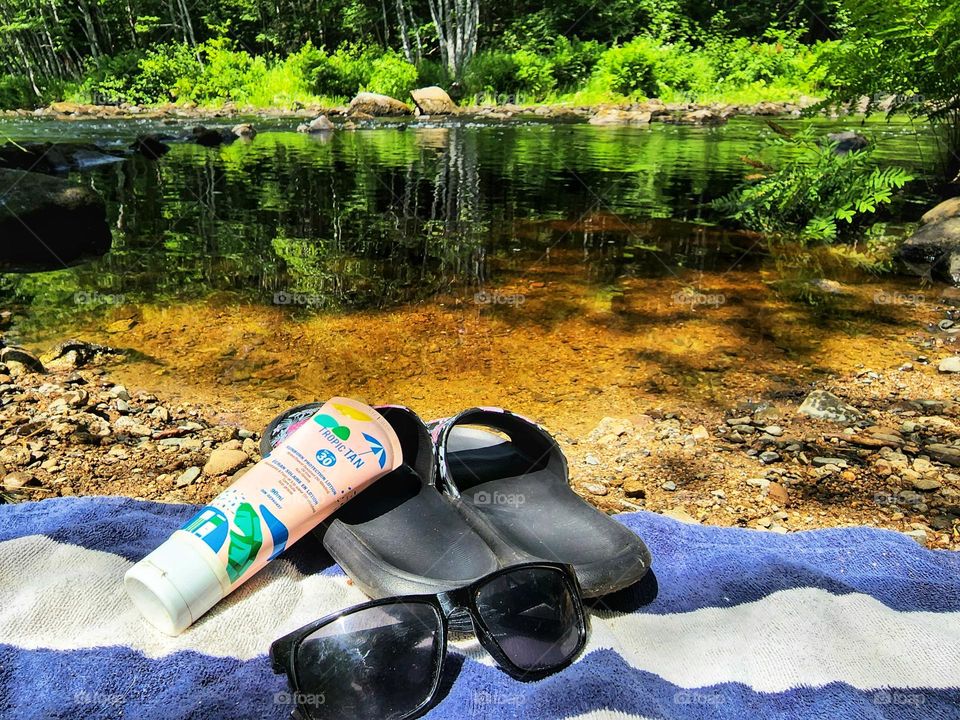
x,y
638,112
879,449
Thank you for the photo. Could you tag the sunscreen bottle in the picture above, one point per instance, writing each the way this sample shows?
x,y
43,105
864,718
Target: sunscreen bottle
x,y
343,448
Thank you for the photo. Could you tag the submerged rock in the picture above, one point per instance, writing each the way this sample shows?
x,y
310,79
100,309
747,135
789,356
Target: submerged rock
x,y
150,146
53,158
433,101
245,131
847,141
378,105
49,223
73,354
210,137
949,365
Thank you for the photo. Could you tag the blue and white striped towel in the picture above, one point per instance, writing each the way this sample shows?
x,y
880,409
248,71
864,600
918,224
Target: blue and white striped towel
x,y
849,623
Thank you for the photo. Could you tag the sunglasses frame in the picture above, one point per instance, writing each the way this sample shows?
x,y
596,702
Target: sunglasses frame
x,y
284,650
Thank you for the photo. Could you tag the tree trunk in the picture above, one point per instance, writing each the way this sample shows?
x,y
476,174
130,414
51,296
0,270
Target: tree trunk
x,y
90,29
456,22
404,35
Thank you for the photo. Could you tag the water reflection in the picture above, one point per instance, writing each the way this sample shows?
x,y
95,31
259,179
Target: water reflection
x,y
374,218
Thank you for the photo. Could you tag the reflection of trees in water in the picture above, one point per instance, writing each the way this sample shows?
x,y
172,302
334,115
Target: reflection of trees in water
x,y
349,222
378,217
456,207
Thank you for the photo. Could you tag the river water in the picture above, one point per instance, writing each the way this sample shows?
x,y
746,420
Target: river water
x,y
564,270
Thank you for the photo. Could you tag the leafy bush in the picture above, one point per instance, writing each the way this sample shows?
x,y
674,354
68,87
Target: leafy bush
x,y
779,56
629,69
573,61
342,73
491,71
685,70
814,190
15,92
392,75
908,49
227,74
430,72
166,72
534,74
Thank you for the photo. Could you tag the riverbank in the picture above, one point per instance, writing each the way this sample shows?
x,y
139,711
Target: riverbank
x,y
875,441
714,112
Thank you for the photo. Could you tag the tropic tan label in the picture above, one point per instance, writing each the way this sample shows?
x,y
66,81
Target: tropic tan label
x,y
343,448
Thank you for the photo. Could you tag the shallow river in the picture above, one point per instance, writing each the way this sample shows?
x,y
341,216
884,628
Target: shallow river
x,y
566,271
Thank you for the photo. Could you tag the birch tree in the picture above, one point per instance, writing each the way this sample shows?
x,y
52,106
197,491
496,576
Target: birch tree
x,y
456,22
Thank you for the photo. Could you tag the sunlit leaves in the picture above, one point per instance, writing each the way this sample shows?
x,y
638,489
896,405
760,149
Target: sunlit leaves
x,y
814,190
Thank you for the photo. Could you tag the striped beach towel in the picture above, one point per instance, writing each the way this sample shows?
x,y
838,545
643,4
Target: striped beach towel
x,y
846,623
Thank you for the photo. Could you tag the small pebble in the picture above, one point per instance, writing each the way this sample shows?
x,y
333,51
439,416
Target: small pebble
x,y
188,476
949,365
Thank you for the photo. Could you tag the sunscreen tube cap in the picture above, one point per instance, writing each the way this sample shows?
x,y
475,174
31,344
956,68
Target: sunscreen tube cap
x,y
173,586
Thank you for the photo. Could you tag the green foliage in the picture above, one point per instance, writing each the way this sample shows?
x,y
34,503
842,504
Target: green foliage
x,y
391,75
339,74
816,194
166,72
15,92
630,69
573,60
681,69
227,74
491,71
907,49
534,74
430,72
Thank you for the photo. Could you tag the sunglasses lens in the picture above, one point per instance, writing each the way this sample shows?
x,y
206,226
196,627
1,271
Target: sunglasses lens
x,y
534,615
380,662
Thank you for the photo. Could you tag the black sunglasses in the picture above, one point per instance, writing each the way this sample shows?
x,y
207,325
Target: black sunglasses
x,y
384,659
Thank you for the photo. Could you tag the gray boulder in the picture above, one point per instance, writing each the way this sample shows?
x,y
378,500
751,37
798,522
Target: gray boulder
x,y
934,249
49,223
823,405
847,141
